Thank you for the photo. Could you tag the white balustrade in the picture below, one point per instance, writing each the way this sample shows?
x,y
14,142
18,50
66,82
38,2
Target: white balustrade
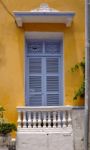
x,y
39,119
59,120
44,119
48,117
64,119
34,120
19,121
69,119
49,120
29,120
54,119
24,121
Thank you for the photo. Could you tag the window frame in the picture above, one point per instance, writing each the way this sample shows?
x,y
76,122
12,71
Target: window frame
x,y
46,36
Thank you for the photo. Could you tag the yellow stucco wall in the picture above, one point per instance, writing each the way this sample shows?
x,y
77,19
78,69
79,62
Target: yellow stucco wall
x,y
12,51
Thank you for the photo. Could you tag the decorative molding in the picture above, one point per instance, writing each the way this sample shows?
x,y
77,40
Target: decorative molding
x,y
19,21
44,35
68,22
44,14
44,8
58,119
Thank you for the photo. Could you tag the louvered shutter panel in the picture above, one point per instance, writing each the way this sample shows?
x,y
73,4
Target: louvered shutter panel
x,y
35,81
52,81
54,73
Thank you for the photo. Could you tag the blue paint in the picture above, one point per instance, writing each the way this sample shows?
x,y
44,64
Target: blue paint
x,y
29,95
22,14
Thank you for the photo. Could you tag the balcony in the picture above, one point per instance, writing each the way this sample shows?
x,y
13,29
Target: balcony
x,y
44,119
45,127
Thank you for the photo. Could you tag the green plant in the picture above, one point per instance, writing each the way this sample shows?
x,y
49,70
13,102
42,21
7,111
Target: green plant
x,y
5,127
81,91
1,114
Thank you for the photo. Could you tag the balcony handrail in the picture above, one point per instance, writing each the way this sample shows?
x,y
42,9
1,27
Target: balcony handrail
x,y
43,108
44,117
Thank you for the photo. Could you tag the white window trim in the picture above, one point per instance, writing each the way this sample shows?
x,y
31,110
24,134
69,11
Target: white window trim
x,y
44,14
46,35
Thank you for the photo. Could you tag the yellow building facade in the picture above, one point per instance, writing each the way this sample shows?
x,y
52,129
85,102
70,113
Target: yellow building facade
x,y
12,50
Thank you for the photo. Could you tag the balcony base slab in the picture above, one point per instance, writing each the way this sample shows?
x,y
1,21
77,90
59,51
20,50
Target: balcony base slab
x,y
44,141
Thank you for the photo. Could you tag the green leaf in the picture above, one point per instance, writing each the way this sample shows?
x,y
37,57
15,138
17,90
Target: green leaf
x,y
81,91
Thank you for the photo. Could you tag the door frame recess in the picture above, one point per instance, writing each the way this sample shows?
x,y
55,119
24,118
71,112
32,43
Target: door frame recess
x,y
47,36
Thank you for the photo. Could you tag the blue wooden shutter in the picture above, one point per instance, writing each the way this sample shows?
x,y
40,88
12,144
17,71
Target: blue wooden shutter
x,y
35,82
44,73
54,74
52,81
34,73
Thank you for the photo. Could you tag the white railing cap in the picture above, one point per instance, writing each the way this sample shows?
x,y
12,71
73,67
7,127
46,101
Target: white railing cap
x,y
43,108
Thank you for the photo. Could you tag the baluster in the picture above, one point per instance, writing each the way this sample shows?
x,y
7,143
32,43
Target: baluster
x,y
19,119
39,119
64,119
44,119
34,120
29,120
59,120
24,120
69,119
49,120
54,120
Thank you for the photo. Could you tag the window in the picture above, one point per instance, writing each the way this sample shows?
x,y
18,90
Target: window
x,y
44,72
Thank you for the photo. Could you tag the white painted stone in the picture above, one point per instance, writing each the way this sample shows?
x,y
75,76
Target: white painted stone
x,y
44,8
44,141
49,118
78,117
57,135
44,14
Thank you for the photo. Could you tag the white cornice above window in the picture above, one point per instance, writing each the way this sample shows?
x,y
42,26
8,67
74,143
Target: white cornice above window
x,y
44,14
